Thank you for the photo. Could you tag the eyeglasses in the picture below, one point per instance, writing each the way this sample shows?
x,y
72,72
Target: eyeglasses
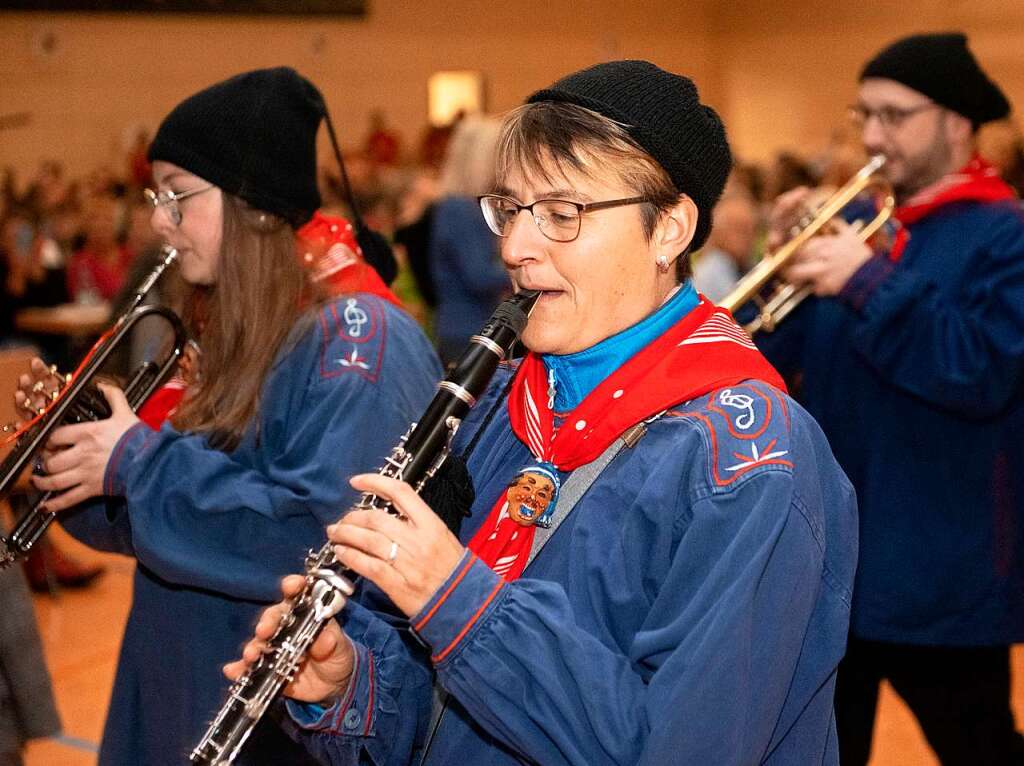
x,y
890,117
558,219
169,200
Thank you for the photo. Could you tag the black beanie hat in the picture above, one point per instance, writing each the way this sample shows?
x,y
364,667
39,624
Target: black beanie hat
x,y
662,112
254,136
941,67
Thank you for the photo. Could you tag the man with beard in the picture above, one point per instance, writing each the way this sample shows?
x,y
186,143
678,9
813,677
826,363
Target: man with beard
x,y
912,359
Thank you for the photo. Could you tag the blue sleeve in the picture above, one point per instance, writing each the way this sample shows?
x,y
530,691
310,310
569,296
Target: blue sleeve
x,y
203,518
964,354
381,718
462,240
704,679
102,524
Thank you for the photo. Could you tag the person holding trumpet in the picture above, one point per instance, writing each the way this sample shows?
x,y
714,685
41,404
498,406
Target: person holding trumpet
x,y
292,391
692,605
912,358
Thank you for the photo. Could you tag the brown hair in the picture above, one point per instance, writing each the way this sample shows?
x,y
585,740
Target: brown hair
x,y
545,138
241,321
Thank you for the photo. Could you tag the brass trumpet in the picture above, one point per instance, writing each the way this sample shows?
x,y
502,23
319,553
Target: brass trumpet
x,y
786,297
78,400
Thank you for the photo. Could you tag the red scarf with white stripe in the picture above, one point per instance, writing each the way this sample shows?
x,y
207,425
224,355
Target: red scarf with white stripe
x,y
327,246
977,181
704,351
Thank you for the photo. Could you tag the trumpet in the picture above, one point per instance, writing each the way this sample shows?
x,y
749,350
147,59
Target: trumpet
x,y
786,297
77,400
416,458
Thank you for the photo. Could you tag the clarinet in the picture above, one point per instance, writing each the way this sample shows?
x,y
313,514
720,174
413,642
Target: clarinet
x,y
415,459
79,401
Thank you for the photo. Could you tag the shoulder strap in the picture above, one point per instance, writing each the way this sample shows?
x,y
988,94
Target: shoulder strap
x,y
578,484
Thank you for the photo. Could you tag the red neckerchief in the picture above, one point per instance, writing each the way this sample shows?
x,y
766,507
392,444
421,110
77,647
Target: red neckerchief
x,y
328,247
503,544
704,351
162,403
977,181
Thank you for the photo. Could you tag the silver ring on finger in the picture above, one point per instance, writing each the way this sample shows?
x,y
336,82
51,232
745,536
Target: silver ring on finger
x,y
393,553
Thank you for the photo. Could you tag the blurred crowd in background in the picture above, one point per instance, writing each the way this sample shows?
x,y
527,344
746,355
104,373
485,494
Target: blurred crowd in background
x,y
67,239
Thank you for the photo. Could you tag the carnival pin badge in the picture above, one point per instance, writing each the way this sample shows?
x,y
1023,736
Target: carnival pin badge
x,y
533,494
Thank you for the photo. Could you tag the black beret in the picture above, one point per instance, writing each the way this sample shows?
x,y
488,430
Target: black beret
x,y
941,67
254,136
662,112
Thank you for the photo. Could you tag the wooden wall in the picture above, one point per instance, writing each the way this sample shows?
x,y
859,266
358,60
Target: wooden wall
x,y
780,72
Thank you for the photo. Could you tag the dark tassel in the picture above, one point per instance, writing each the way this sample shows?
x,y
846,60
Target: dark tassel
x,y
377,253
450,492
376,249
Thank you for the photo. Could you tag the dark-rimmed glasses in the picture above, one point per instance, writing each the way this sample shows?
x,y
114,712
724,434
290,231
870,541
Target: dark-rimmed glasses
x,y
889,117
558,219
169,200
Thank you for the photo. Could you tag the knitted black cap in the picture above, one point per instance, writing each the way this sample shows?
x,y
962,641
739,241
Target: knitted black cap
x,y
941,67
253,135
662,112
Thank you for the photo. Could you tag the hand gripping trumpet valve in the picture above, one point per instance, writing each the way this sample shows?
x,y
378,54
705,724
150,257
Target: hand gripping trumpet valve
x,y
77,400
785,297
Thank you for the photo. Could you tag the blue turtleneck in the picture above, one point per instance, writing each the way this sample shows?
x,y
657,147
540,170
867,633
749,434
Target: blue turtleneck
x,y
576,375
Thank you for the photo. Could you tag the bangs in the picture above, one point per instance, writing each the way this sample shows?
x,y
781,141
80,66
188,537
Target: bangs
x,y
547,141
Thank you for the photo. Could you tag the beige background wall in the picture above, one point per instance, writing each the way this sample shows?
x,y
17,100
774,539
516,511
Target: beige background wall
x,y
787,70
780,72
110,71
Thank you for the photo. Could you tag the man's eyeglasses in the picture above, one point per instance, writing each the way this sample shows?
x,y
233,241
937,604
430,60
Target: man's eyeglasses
x,y
889,117
169,200
558,219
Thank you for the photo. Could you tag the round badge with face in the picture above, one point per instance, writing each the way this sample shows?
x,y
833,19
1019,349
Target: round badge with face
x,y
532,495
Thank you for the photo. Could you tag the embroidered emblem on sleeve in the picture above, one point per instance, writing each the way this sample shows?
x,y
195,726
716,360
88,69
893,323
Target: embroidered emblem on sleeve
x,y
747,427
354,333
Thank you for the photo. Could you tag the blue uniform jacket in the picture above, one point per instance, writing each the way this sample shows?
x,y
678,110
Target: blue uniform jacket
x,y
691,609
213,533
915,374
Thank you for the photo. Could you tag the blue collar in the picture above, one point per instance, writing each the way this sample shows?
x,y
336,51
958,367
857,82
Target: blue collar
x,y
576,375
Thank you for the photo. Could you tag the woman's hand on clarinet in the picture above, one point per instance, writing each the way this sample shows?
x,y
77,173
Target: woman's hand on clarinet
x,y
409,558
324,673
827,262
76,456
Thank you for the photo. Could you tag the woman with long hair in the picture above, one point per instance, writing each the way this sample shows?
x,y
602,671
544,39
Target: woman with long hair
x,y
290,392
